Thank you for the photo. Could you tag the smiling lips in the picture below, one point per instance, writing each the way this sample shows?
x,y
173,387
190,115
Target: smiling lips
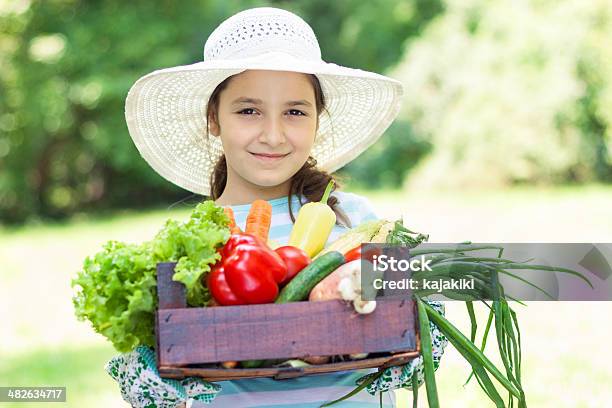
x,y
269,157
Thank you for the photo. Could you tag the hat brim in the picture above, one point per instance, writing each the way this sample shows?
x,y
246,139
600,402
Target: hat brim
x,y
166,114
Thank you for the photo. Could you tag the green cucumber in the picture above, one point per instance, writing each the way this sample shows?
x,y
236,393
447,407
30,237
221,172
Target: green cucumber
x,y
300,286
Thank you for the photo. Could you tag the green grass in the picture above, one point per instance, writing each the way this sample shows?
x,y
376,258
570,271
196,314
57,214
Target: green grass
x,y
43,343
79,369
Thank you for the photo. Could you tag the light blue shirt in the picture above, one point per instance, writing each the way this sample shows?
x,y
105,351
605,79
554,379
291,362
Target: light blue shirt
x,y
314,390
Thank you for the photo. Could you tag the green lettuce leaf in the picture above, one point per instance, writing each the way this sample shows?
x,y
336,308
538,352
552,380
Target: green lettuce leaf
x,y
116,290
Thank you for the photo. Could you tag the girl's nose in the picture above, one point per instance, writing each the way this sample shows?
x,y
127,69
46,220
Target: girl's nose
x,y
272,132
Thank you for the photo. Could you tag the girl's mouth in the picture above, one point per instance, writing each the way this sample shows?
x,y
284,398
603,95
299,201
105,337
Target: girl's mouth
x,y
269,157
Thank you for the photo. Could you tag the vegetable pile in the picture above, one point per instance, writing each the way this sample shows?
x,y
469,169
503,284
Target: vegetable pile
x,y
221,265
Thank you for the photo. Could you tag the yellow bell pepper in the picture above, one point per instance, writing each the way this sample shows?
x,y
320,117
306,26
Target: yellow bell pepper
x,y
313,225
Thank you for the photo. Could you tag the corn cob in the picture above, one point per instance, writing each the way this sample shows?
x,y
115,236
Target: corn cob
x,y
354,237
381,236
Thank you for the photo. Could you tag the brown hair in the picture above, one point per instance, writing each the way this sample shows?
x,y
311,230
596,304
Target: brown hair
x,y
309,181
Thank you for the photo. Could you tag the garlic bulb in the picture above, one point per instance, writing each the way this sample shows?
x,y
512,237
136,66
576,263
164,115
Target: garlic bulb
x,y
364,306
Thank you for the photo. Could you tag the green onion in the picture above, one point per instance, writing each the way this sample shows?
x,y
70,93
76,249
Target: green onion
x,y
426,352
484,337
481,375
451,332
356,390
415,389
548,268
459,249
452,263
474,325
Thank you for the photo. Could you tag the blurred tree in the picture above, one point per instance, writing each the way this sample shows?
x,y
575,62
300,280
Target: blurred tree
x,y
386,163
66,67
369,35
512,92
65,80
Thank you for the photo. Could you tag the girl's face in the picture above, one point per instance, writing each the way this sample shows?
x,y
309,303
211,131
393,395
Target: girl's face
x,y
267,121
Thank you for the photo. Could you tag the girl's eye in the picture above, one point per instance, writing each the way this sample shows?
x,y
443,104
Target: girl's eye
x,y
295,112
247,111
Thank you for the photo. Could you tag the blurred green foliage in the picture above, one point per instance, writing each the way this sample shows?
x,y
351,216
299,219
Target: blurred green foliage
x,y
386,163
497,93
512,92
66,67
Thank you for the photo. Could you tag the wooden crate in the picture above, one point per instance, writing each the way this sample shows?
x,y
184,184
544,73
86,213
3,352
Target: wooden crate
x,y
191,341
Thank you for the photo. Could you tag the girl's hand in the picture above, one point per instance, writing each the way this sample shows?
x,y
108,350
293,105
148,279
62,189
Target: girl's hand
x,y
401,376
141,385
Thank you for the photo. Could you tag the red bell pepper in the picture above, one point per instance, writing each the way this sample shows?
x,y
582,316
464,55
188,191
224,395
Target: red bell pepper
x,y
356,253
249,272
238,239
353,254
295,258
219,289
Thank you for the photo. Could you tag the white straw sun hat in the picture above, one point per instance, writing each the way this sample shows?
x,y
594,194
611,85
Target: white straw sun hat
x,y
166,109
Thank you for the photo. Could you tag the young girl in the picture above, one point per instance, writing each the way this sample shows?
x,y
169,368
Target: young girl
x,y
263,117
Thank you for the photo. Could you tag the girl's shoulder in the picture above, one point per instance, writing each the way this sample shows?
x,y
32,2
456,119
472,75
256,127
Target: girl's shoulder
x,y
357,207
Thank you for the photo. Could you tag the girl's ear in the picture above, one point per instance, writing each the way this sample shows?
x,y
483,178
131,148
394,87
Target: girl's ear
x,y
213,125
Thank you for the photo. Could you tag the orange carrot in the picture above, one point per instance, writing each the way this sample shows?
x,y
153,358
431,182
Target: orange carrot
x,y
258,220
234,229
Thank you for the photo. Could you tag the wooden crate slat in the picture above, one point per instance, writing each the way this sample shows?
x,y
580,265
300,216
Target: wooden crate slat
x,y
170,294
203,335
221,374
